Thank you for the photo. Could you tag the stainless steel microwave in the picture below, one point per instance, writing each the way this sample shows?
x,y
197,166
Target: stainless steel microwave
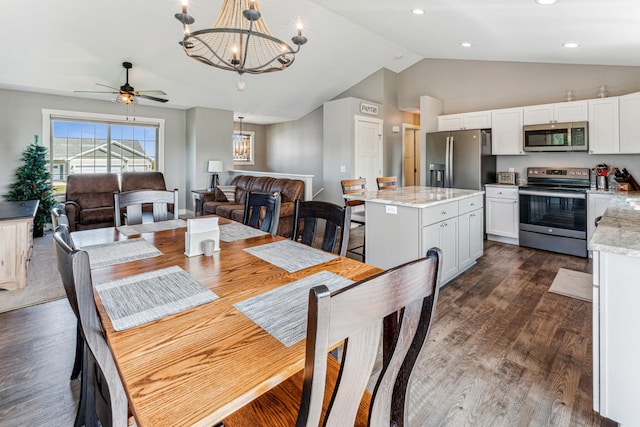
x,y
556,137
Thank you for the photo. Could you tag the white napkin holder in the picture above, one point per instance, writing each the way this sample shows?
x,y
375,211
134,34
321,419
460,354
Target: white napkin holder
x,y
198,230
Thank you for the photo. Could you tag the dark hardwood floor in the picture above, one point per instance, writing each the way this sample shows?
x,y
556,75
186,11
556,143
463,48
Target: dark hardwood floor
x,y
503,351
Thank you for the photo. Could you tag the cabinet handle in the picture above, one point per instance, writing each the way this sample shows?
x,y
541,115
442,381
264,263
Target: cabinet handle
x,y
472,214
499,192
515,201
444,212
473,204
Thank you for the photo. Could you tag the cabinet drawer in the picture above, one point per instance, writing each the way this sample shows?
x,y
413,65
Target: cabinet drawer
x,y
502,192
440,212
470,204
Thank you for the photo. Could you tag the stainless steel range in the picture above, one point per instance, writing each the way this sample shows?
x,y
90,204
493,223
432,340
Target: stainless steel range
x,y
553,210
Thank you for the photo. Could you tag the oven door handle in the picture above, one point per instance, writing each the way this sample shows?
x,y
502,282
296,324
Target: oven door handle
x,y
554,194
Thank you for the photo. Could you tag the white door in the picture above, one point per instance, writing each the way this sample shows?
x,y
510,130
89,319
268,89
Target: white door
x,y
411,156
368,150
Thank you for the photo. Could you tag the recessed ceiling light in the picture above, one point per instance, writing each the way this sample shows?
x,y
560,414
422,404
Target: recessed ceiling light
x,y
417,11
545,1
465,44
571,45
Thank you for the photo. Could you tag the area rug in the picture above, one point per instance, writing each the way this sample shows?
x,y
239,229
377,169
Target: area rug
x,y
43,280
574,284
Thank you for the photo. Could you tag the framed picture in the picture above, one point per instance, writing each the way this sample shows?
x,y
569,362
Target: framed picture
x,y
243,148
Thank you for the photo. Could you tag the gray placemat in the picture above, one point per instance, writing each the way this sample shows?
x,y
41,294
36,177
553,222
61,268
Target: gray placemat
x,y
145,297
106,254
282,312
129,230
236,231
291,256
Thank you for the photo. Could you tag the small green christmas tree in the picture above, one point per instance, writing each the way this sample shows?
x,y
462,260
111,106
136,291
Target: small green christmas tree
x,y
34,183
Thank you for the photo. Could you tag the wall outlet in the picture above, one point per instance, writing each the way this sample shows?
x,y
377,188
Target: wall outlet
x,y
343,169
512,170
391,209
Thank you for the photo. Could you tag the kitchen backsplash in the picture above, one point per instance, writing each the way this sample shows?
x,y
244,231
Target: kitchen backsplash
x,y
560,159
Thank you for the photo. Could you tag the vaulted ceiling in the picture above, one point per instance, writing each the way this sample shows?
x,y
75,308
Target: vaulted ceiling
x,y
61,46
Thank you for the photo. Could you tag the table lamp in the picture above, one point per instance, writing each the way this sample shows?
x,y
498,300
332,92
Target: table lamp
x,y
215,167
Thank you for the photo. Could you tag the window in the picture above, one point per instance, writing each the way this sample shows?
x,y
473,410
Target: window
x,y
82,143
243,148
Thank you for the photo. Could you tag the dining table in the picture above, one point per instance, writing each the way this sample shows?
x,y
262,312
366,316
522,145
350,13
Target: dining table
x,y
198,365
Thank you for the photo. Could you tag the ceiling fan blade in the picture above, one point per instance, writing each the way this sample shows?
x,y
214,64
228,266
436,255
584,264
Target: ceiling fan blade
x,y
94,91
110,87
152,98
151,92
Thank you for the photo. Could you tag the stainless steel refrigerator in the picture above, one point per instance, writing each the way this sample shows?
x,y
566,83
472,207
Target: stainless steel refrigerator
x,y
460,159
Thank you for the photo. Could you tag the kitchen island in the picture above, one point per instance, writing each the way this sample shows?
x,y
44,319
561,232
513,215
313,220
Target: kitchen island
x,y
402,224
616,292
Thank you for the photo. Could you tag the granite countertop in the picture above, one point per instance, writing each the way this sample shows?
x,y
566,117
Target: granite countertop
x,y
15,210
619,229
415,197
503,185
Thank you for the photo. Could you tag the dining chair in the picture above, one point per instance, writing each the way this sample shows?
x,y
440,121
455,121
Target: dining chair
x,y
62,241
336,220
131,202
355,186
98,359
59,216
335,393
262,210
387,182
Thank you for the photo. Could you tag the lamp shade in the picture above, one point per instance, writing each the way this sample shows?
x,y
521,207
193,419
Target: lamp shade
x,y
215,166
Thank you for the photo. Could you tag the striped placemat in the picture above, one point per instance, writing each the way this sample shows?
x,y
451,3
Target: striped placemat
x,y
152,227
282,312
291,256
145,297
119,252
236,231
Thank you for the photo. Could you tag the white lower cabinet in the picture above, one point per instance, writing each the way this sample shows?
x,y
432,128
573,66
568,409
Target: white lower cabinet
x,y
616,349
445,236
503,214
400,233
470,238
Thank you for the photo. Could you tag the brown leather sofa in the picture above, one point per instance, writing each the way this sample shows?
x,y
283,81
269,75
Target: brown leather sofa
x,y
89,199
216,202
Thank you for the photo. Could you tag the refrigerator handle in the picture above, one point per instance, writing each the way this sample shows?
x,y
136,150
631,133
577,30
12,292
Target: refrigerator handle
x,y
451,162
446,163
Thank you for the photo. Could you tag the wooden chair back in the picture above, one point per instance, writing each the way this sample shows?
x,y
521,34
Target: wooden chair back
x,y
59,216
337,221
75,264
262,210
354,186
132,201
387,183
356,314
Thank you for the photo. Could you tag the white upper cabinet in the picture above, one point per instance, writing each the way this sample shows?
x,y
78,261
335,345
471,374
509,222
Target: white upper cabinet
x,y
576,111
475,120
604,126
629,128
506,131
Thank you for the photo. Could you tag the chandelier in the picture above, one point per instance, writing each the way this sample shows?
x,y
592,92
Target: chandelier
x,y
239,40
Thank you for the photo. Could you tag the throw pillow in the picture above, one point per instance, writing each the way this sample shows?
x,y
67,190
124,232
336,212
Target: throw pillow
x,y
229,192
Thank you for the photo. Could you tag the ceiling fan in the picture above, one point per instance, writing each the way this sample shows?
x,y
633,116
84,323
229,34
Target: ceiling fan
x,y
127,94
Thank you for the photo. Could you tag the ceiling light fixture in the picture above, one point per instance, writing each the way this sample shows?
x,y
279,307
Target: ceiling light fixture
x,y
239,40
545,1
417,11
465,44
571,45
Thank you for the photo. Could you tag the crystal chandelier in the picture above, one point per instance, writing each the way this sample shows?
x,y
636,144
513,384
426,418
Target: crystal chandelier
x,y
239,40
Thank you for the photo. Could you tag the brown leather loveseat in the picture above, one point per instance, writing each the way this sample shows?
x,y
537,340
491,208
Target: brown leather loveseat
x,y
89,197
290,190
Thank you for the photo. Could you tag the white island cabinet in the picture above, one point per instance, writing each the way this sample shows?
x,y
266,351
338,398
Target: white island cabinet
x,y
616,291
401,225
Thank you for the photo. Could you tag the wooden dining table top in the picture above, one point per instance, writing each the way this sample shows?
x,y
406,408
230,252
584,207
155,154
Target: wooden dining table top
x,y
202,364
